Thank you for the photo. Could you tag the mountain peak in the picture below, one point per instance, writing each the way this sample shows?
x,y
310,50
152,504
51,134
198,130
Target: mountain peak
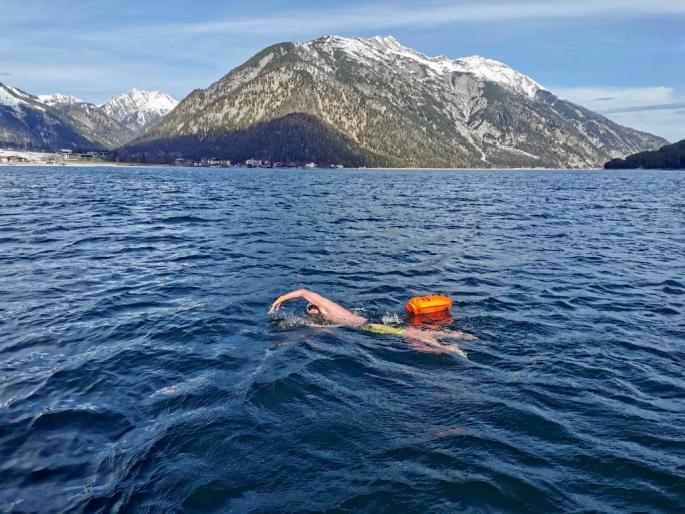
x,y
139,109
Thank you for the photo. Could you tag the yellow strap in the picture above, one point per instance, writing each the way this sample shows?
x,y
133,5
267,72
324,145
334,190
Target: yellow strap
x,y
378,328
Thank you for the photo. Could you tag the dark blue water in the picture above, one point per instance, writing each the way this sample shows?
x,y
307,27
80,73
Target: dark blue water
x,y
139,371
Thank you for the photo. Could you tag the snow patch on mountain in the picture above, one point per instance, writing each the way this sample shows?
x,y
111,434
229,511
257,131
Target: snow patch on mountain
x,y
387,50
17,99
59,99
495,71
20,94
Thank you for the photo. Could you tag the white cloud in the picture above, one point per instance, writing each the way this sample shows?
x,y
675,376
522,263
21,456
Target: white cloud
x,y
655,109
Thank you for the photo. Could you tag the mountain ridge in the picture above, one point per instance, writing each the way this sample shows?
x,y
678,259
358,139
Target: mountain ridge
x,y
94,127
402,107
25,122
96,124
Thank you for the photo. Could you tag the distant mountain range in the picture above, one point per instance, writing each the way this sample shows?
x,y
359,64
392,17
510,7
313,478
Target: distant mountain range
x,y
335,100
669,157
373,102
25,122
50,122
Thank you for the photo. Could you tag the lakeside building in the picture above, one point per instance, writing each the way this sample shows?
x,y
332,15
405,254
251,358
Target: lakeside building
x,y
212,162
61,156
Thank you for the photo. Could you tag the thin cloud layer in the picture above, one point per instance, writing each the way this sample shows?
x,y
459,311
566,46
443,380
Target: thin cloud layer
x,y
611,98
382,17
642,108
653,109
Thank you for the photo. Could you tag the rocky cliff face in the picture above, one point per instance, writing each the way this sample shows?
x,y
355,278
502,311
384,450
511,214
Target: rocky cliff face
x,y
389,105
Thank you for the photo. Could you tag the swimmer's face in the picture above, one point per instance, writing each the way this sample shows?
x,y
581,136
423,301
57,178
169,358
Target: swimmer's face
x,y
313,310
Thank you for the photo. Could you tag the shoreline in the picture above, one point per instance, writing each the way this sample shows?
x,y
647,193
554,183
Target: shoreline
x,y
81,165
134,165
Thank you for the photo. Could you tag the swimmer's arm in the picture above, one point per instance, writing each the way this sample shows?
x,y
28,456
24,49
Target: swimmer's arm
x,y
329,309
432,339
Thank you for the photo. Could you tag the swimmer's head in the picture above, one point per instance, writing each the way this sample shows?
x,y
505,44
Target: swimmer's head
x,y
313,310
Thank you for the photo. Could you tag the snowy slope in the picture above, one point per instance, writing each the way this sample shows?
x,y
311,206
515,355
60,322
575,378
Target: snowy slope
x,y
57,99
384,49
139,109
9,100
15,97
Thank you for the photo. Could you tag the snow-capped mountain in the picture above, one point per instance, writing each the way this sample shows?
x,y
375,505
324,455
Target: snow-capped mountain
x,y
95,123
25,122
138,110
376,102
69,122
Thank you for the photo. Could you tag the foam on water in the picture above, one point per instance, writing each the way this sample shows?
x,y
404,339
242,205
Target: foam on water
x,y
391,318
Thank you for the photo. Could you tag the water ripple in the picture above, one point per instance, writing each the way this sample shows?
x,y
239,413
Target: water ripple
x,y
139,371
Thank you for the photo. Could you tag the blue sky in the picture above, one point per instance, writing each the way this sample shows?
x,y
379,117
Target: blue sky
x,y
623,58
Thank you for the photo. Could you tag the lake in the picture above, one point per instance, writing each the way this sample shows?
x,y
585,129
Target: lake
x,y
140,372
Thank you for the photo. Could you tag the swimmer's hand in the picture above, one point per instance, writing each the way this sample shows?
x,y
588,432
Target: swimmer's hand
x,y
300,293
276,305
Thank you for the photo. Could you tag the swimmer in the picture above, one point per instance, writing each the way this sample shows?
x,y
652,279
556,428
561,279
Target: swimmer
x,y
420,339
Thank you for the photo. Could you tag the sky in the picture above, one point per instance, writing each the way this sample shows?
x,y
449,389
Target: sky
x,y
622,58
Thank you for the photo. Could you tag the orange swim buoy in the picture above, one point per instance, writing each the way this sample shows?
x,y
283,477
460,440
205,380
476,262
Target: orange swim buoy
x,y
431,321
429,304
